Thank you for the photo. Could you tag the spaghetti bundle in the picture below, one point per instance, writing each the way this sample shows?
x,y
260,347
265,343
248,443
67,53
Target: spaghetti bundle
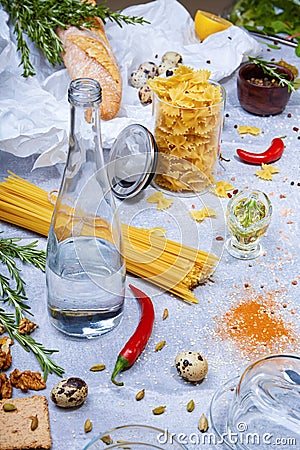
x,y
150,255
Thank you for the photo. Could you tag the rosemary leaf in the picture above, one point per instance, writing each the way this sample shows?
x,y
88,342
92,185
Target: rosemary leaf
x,y
29,344
15,297
28,254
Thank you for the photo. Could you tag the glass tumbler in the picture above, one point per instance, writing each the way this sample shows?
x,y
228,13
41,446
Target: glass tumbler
x,y
188,141
266,405
248,216
259,409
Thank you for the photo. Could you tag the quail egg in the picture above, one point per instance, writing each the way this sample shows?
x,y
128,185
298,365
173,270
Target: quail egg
x,y
69,393
172,57
191,366
149,68
145,95
166,66
138,78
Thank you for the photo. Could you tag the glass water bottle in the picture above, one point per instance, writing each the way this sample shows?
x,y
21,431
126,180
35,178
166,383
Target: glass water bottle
x,y
85,270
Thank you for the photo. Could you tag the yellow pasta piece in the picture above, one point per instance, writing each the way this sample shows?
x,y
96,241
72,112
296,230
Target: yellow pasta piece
x,y
162,202
200,215
266,172
154,198
222,187
245,129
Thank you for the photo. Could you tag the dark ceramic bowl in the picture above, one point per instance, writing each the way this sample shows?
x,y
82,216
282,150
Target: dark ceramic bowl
x,y
262,100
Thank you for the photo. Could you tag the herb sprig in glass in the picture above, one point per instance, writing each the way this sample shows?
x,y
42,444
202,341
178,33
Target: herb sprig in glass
x,y
38,20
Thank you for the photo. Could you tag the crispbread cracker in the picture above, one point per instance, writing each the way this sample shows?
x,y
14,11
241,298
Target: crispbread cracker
x,y
15,429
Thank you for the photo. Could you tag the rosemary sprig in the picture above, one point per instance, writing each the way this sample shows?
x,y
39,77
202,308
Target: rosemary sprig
x,y
26,253
9,251
38,20
29,344
16,298
13,298
269,70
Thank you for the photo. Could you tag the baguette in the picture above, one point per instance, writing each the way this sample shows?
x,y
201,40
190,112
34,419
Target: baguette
x,y
88,54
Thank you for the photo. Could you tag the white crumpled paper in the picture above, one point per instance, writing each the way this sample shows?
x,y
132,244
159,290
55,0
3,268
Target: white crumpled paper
x,y
34,112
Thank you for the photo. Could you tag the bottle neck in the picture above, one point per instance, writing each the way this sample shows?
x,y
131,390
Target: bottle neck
x,y
85,147
84,92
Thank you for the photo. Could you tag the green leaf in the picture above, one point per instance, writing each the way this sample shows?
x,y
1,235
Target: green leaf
x,y
268,16
279,27
297,83
274,47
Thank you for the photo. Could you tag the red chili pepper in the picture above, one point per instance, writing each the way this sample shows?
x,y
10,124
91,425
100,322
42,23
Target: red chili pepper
x,y
273,153
136,344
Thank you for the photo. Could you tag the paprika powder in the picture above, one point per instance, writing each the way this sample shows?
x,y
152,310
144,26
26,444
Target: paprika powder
x,y
257,326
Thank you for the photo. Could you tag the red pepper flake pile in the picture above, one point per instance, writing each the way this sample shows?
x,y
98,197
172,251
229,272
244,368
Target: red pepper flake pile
x,y
256,325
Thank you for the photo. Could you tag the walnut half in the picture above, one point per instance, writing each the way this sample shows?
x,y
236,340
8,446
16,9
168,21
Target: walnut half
x,y
27,380
5,355
5,386
26,326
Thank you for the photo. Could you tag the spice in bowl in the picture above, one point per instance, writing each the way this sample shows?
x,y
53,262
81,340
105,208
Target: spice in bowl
x,y
263,88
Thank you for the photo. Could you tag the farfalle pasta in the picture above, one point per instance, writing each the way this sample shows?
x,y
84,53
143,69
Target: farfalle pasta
x,y
188,124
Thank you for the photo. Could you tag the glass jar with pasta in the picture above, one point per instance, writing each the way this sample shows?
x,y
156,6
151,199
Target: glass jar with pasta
x,y
188,123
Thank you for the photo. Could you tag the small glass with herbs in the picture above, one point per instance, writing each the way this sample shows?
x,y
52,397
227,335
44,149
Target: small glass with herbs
x,y
248,216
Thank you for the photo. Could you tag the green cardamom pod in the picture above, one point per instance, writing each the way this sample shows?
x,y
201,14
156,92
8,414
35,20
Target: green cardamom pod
x,y
140,395
190,406
97,368
34,423
165,314
159,410
106,439
203,424
160,345
88,426
8,407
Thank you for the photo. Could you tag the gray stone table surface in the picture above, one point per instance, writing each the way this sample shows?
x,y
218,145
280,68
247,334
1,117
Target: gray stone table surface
x,y
189,327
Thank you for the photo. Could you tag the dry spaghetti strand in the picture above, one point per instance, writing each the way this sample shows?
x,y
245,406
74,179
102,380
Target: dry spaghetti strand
x,y
165,263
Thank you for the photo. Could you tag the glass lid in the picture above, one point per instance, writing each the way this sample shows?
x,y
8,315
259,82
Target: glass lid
x,y
132,161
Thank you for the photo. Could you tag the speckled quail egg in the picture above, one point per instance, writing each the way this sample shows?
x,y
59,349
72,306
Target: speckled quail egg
x,y
138,78
145,95
172,57
191,366
149,68
165,67
69,393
